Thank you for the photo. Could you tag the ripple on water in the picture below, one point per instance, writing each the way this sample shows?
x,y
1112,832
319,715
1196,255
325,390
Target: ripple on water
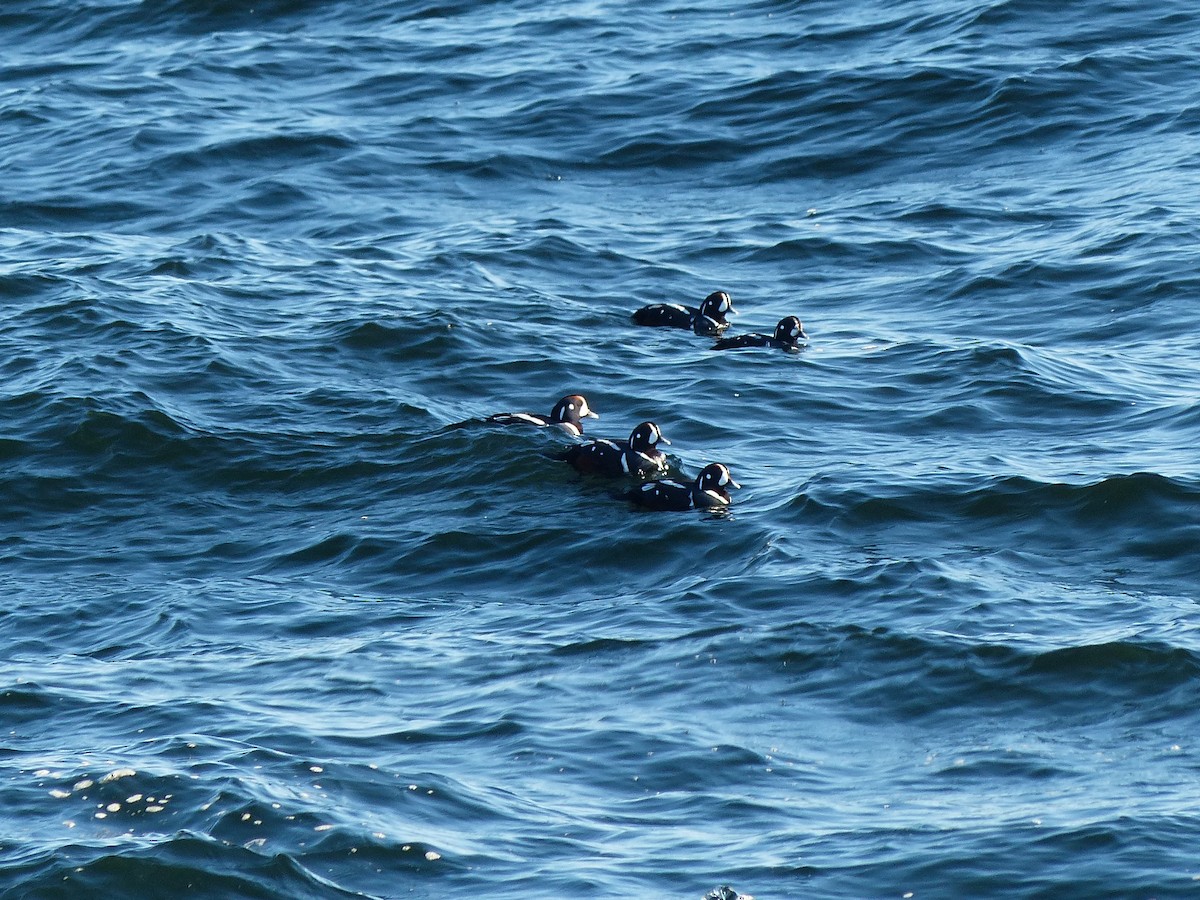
x,y
285,617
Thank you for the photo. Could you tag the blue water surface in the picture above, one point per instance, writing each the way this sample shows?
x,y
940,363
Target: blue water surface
x,y
284,617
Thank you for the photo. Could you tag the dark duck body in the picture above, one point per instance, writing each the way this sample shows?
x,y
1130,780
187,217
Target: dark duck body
x,y
638,457
709,491
568,414
707,318
788,335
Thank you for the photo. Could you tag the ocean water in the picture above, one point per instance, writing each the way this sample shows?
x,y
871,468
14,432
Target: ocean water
x,y
284,618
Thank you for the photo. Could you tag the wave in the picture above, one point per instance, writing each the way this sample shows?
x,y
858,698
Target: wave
x,y
935,676
283,149
1133,499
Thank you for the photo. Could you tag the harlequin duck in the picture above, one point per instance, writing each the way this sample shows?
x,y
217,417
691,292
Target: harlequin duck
x,y
788,334
568,413
639,456
708,319
708,491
